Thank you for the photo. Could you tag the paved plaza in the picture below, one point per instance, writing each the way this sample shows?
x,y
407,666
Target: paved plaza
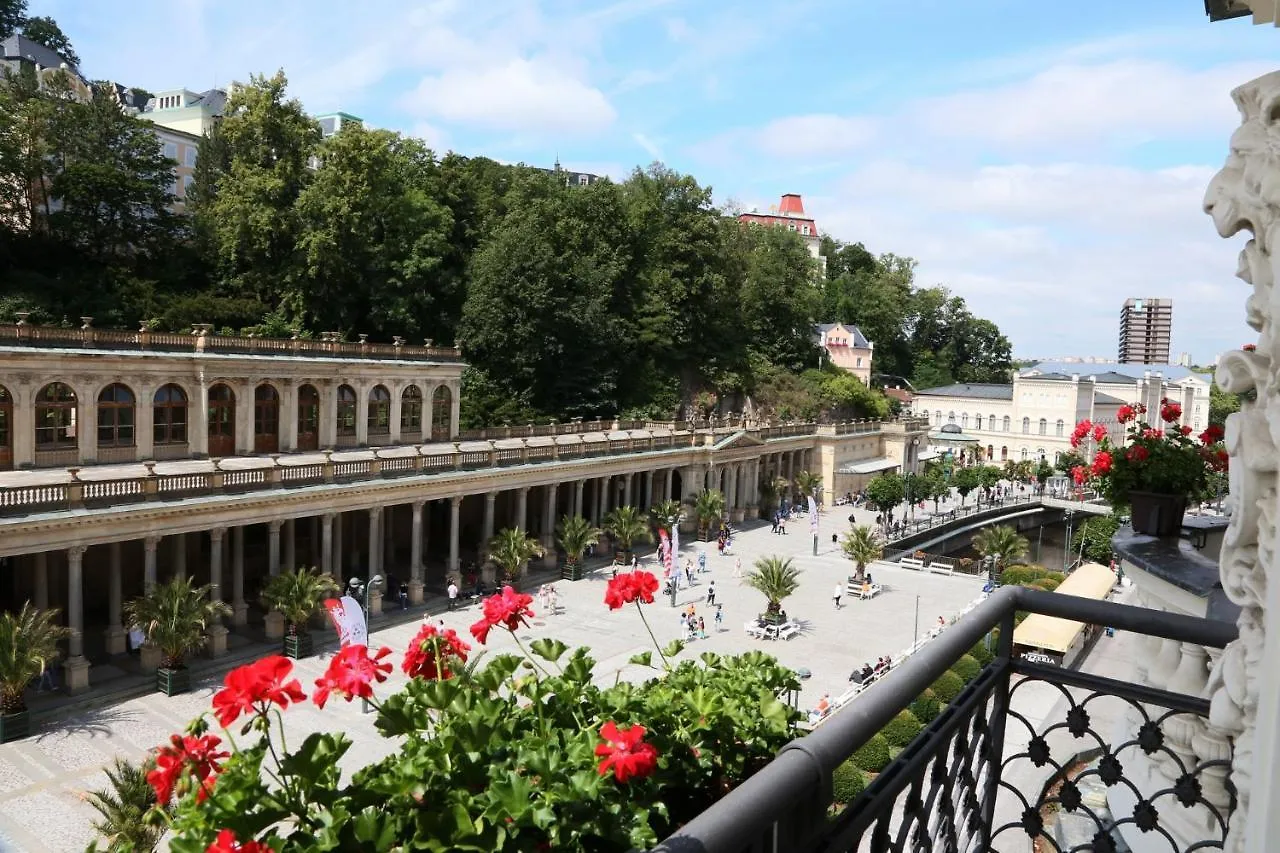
x,y
42,778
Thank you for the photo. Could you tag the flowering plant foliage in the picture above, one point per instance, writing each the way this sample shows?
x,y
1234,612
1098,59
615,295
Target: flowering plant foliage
x,y
1163,459
527,753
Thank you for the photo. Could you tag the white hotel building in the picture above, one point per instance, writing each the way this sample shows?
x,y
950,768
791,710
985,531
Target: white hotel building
x,y
1032,417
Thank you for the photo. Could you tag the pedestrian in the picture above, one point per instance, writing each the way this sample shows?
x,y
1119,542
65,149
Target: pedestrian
x,y
702,628
774,529
46,680
719,616
635,563
688,573
553,604
453,593
737,567
404,595
711,594
835,595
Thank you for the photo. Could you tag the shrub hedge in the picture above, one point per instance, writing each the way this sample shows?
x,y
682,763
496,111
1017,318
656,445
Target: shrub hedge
x,y
967,667
980,654
947,687
873,756
1046,584
926,707
902,729
847,782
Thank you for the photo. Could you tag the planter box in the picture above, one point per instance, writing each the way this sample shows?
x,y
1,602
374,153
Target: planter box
x,y
1156,514
298,646
572,572
171,682
14,726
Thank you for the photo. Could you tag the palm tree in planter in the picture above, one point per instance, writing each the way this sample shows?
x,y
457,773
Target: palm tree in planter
x,y
709,508
863,546
123,806
28,644
1002,544
626,526
297,595
775,578
175,616
511,549
576,535
665,516
808,483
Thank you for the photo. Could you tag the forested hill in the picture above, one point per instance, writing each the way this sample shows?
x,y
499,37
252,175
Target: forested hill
x,y
639,297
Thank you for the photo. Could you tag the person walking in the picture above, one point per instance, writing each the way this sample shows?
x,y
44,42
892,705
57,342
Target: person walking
x,y
835,595
737,567
702,628
453,593
711,594
404,595
719,617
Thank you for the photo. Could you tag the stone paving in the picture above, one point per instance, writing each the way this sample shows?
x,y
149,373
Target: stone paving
x,y
42,778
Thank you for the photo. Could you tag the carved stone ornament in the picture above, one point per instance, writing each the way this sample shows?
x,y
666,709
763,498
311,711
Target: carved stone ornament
x,y
1245,196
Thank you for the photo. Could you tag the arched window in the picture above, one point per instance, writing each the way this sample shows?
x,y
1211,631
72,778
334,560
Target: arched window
x,y
441,413
1004,454
169,413
991,424
991,452
937,417
222,421
964,420
308,417
266,419
346,413
1044,426
55,417
411,409
1059,427
977,421
1026,427
115,416
1024,454
379,411
1005,425
951,417
6,428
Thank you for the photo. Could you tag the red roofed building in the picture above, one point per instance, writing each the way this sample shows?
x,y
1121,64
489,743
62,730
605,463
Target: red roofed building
x,y
789,213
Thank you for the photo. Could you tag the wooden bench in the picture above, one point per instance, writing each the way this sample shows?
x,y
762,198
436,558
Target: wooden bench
x,y
912,563
760,632
941,567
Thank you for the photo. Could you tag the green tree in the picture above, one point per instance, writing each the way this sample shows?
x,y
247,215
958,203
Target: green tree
x,y
808,483
125,819
1094,538
510,549
576,535
884,492
626,526
777,296
1002,544
298,594
1069,460
965,480
861,545
1221,404
28,644
45,31
775,578
175,616
708,506
12,14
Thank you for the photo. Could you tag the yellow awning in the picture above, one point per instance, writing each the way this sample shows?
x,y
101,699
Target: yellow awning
x,y
1054,634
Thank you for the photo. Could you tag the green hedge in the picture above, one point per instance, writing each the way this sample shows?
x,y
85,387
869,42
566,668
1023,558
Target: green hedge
x,y
873,756
902,729
926,708
1046,584
947,687
967,667
1055,576
847,782
980,654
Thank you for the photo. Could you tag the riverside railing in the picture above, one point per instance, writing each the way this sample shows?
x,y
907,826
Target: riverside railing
x,y
962,784
907,529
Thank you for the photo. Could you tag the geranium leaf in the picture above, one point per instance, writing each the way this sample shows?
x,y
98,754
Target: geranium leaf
x,y
642,659
548,649
673,648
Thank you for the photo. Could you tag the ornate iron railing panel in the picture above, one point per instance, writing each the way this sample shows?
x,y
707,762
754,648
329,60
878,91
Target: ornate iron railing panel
x,y
982,776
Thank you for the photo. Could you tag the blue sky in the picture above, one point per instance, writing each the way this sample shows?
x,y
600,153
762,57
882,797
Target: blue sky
x,y
1043,161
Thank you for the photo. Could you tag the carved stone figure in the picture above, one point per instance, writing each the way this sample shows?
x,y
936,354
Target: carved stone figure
x,y
1245,196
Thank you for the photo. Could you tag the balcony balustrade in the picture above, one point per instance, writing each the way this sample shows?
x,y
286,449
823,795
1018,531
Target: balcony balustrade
x,y
963,783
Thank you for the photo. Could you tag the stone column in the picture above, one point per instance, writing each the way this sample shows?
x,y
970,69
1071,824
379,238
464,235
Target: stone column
x,y
290,544
486,526
415,554
394,413
42,581
668,483
375,560
626,490
216,644
87,429
239,607
326,543
579,486
198,420
144,416
522,508
602,499
149,547
549,525
289,417
455,410
76,669
455,504
388,546
647,504
115,633
362,415
179,547
336,561
273,547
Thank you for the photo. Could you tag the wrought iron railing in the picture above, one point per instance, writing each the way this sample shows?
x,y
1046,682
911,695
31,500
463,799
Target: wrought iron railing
x,y
961,785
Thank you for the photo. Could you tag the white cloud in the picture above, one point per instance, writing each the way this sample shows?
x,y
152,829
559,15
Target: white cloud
x,y
819,135
437,140
678,29
648,145
523,95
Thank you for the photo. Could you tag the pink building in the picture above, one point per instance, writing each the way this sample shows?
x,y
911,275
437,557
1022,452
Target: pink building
x,y
847,348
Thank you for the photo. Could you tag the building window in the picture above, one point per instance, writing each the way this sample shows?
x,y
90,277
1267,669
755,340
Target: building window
x,y
115,416
411,409
346,410
1059,428
991,424
171,151
1004,454
951,417
937,417
805,230
964,420
441,413
379,411
791,226
1024,454
6,422
187,181
189,156
169,408
583,180
1005,425
55,417
977,421
859,361
1044,426
1026,430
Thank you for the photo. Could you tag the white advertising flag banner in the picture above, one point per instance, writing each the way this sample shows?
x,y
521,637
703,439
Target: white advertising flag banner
x,y
813,516
348,619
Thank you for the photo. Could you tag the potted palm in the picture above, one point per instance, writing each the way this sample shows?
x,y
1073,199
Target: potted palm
x,y
175,616
123,807
1001,545
511,548
861,545
297,595
775,578
665,516
28,644
1154,470
709,508
626,526
808,483
575,535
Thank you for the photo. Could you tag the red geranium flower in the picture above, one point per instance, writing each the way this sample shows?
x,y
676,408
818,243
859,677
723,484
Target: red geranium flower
x,y
186,755
1152,433
252,688
630,586
1221,460
352,673
1079,474
432,652
1081,430
626,753
1101,463
226,843
1212,434
508,608
1099,432
1137,453
1126,413
1185,430
1170,412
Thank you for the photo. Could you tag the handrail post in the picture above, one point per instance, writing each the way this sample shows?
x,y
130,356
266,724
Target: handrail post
x,y
999,714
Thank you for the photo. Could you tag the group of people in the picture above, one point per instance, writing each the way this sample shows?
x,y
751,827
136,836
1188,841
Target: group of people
x,y
548,598
868,672
693,626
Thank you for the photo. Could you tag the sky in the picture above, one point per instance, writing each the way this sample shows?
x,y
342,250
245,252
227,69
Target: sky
x,y
1044,161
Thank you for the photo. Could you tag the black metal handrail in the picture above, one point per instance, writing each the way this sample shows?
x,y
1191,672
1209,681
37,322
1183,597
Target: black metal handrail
x,y
944,786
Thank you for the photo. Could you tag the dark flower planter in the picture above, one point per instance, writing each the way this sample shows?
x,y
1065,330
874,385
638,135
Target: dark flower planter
x,y
572,572
621,556
298,646
171,682
14,726
1156,514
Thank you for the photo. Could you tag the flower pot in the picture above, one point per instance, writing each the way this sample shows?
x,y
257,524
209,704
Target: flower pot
x,y
298,646
571,572
14,726
171,682
1156,514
